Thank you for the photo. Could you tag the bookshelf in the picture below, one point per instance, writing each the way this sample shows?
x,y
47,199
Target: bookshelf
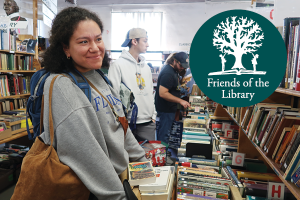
x,y
17,52
18,71
251,150
288,92
16,96
22,65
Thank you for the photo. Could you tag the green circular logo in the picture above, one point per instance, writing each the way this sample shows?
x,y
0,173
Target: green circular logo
x,y
238,58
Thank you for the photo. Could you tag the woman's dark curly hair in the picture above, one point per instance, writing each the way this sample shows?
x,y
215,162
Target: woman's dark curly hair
x,y
63,27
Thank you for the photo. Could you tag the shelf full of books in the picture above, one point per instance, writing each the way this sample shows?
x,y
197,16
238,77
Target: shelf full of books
x,y
13,85
273,129
13,119
10,61
291,37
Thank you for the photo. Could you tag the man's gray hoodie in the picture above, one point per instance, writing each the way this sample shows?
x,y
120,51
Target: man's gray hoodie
x,y
138,77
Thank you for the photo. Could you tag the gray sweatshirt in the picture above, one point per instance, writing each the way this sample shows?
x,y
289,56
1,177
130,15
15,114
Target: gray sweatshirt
x,y
87,136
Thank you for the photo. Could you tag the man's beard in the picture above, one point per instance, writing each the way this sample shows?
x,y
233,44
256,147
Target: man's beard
x,y
177,69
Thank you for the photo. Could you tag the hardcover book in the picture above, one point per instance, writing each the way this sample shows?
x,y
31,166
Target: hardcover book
x,y
281,144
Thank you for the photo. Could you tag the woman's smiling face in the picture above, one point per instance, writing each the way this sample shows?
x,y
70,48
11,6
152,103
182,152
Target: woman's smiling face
x,y
86,47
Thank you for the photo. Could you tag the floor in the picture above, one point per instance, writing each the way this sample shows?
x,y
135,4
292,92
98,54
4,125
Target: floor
x,y
6,194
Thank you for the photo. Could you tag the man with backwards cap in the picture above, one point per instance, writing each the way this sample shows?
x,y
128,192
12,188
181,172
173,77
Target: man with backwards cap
x,y
167,94
132,70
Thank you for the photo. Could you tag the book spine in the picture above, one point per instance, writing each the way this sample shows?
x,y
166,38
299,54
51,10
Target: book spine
x,y
292,164
205,185
268,130
284,145
201,187
294,53
261,134
291,153
203,192
7,87
206,179
296,176
296,57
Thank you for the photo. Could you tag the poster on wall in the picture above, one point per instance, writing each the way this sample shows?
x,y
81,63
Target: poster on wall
x,y
12,11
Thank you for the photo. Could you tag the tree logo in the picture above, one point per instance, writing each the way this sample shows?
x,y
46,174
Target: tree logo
x,y
238,58
238,36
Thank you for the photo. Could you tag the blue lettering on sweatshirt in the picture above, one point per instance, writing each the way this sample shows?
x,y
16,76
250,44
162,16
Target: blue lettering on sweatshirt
x,y
113,100
97,102
110,99
119,102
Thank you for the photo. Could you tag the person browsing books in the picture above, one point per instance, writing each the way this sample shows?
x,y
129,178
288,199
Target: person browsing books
x,y
132,70
168,93
88,137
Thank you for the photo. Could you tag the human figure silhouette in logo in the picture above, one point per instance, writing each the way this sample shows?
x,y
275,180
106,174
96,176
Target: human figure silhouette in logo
x,y
254,62
223,60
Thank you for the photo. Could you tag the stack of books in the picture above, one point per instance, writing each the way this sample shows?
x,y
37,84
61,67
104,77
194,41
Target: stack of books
x,y
194,131
162,188
141,173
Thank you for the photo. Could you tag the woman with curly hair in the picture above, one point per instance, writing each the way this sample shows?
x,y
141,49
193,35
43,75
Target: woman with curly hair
x,y
88,138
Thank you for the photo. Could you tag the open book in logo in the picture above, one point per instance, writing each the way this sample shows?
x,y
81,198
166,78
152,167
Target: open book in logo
x,y
238,37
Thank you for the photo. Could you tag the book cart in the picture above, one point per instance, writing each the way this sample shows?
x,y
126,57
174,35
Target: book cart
x,y
252,150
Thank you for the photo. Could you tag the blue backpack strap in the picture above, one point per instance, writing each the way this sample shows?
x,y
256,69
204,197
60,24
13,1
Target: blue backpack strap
x,y
104,77
133,118
33,104
82,84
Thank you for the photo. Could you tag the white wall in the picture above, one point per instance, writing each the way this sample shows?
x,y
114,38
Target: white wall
x,y
180,21
286,8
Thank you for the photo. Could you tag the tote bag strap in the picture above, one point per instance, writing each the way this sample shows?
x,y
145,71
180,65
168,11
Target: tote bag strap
x,y
122,120
51,129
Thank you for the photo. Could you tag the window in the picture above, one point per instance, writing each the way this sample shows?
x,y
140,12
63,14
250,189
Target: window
x,y
122,22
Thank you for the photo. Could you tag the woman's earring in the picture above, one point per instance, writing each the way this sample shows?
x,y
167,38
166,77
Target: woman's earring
x,y
68,58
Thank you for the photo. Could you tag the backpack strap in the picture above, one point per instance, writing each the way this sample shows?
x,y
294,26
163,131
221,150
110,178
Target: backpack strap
x,y
36,91
82,84
104,77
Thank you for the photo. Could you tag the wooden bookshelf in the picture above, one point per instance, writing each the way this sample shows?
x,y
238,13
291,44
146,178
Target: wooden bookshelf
x,y
15,96
288,92
18,71
17,52
274,166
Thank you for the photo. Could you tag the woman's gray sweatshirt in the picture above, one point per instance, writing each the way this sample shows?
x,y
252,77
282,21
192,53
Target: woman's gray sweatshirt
x,y
87,136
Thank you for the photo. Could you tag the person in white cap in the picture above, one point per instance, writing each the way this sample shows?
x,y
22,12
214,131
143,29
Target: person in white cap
x,y
133,71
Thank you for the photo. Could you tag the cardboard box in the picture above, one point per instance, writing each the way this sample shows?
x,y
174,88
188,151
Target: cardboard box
x,y
5,134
